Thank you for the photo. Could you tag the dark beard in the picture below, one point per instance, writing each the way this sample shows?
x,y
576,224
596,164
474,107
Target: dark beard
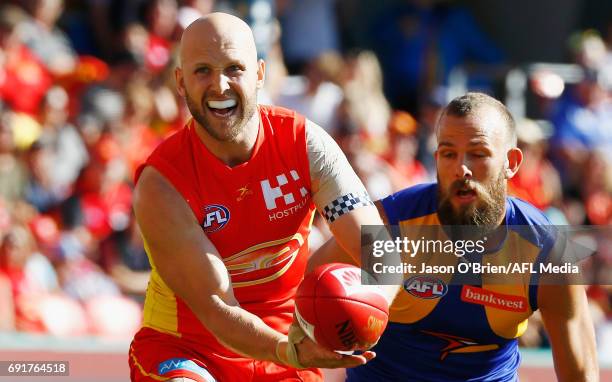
x,y
483,216
235,129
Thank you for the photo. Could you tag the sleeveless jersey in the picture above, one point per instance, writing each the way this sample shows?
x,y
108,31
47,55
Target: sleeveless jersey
x,y
257,214
445,331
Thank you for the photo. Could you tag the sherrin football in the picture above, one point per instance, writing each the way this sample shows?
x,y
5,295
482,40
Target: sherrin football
x,y
337,311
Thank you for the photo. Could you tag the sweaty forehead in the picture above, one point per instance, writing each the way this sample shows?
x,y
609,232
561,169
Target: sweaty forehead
x,y
216,37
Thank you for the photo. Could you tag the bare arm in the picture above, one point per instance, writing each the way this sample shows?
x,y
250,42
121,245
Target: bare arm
x,y
333,182
565,313
331,251
189,263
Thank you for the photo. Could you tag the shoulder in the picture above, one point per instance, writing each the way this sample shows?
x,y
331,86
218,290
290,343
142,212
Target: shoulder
x,y
174,145
277,113
529,222
524,213
282,123
412,202
167,151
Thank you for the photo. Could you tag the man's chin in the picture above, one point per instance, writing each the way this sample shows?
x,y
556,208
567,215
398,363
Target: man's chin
x,y
462,211
221,130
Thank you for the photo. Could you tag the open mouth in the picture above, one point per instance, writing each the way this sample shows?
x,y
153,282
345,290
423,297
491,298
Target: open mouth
x,y
222,109
466,194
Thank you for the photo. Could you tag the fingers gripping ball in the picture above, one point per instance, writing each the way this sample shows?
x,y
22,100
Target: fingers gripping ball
x,y
337,311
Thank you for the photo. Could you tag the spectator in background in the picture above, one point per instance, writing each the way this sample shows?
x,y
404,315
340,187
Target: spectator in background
x,y
403,142
309,29
361,79
13,173
421,42
315,95
135,135
596,188
30,274
68,151
427,116
374,172
152,44
41,191
583,114
24,80
537,181
122,256
40,33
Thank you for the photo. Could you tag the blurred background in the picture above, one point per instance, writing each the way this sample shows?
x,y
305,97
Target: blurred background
x,y
87,92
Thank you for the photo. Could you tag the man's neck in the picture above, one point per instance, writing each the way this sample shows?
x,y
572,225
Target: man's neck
x,y
235,151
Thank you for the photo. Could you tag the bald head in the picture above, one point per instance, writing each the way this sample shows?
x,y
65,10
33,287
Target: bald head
x,y
219,76
219,30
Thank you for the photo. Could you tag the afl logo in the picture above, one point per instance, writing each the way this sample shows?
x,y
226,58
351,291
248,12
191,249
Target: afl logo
x,y
425,287
216,217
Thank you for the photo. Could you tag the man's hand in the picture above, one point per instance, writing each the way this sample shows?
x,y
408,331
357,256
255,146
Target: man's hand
x,y
301,352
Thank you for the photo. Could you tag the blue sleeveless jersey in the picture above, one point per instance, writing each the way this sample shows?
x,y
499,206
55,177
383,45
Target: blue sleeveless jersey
x,y
465,332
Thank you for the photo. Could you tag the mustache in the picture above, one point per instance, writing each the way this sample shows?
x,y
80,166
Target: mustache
x,y
215,95
466,185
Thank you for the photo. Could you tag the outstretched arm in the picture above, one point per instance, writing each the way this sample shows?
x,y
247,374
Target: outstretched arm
x,y
189,263
191,266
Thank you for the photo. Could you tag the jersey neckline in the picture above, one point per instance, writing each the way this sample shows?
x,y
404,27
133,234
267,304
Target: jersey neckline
x,y
214,160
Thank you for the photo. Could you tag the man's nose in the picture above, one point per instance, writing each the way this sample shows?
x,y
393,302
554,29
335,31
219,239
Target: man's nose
x,y
220,83
463,170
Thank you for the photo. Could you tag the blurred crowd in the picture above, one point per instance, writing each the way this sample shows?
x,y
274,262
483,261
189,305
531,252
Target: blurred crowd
x,y
87,92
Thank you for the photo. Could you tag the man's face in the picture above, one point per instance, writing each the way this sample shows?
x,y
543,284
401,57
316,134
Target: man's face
x,y
219,79
471,161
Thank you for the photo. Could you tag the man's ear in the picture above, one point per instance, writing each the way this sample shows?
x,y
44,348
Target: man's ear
x,y
261,73
514,158
180,84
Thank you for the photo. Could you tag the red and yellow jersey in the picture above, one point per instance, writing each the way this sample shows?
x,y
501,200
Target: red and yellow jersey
x,y
257,214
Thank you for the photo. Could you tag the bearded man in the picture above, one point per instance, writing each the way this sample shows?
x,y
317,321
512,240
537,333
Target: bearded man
x,y
445,328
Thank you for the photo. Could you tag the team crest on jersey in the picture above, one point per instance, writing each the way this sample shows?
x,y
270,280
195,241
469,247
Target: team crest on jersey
x,y
425,287
216,217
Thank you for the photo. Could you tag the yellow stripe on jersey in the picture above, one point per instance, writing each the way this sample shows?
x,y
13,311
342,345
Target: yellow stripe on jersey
x,y
516,250
407,308
160,310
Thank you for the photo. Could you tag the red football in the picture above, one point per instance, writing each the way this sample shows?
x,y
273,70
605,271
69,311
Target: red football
x,y
337,311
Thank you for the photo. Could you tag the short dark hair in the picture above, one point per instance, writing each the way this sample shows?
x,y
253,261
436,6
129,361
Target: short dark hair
x,y
472,102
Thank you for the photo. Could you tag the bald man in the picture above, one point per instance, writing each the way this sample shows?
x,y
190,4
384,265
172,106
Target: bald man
x,y
225,207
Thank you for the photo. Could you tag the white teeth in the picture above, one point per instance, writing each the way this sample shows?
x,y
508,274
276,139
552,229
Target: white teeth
x,y
222,104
